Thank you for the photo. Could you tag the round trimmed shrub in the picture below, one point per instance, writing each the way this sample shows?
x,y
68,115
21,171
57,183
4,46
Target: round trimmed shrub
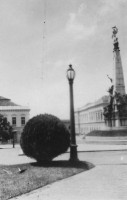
x,y
44,137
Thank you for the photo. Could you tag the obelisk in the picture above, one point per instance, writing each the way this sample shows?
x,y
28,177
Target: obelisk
x,y
118,79
116,111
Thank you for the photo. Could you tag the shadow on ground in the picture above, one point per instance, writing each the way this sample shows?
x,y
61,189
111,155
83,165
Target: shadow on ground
x,y
65,163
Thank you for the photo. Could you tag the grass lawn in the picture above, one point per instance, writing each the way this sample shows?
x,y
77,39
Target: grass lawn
x,y
13,183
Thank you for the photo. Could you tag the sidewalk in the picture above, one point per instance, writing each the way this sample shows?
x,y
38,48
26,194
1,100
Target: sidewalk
x,y
100,147
11,156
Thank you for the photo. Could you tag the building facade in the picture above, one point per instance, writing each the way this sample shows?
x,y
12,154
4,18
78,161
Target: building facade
x,y
90,117
17,115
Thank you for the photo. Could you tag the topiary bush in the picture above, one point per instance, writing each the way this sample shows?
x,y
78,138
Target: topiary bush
x,y
44,137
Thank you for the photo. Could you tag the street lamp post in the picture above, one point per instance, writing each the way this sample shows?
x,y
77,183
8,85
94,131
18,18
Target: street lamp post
x,y
73,146
13,133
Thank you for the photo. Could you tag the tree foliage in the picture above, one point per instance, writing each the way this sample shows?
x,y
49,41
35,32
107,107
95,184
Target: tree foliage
x,y
44,137
5,128
118,102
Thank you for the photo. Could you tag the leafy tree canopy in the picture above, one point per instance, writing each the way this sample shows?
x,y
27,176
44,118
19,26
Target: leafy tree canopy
x,y
5,128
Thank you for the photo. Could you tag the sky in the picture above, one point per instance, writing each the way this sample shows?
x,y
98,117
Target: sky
x,y
40,38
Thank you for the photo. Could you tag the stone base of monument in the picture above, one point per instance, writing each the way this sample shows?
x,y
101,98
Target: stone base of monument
x,y
114,132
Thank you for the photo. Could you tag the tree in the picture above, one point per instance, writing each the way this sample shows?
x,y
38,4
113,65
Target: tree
x,y
5,129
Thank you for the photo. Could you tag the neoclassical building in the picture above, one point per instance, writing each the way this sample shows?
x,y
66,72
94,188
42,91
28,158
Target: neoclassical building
x,y
90,117
109,112
17,115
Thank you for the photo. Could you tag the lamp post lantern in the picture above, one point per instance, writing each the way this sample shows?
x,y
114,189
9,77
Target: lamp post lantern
x,y
73,146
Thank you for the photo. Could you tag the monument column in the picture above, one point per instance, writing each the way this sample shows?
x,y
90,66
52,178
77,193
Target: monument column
x,y
118,79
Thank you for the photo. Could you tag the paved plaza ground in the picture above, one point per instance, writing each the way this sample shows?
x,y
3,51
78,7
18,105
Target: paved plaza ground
x,y
106,181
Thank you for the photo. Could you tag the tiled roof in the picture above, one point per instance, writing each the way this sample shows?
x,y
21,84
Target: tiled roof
x,y
6,102
103,100
1,98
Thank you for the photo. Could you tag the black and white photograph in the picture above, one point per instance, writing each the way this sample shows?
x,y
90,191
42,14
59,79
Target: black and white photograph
x,y
63,100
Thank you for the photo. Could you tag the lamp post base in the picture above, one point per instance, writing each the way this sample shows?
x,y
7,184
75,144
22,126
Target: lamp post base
x,y
73,153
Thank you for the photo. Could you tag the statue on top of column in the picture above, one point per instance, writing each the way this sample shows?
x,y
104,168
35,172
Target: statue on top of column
x,y
115,39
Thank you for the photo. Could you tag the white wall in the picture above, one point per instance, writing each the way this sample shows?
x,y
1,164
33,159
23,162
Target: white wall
x,y
18,113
